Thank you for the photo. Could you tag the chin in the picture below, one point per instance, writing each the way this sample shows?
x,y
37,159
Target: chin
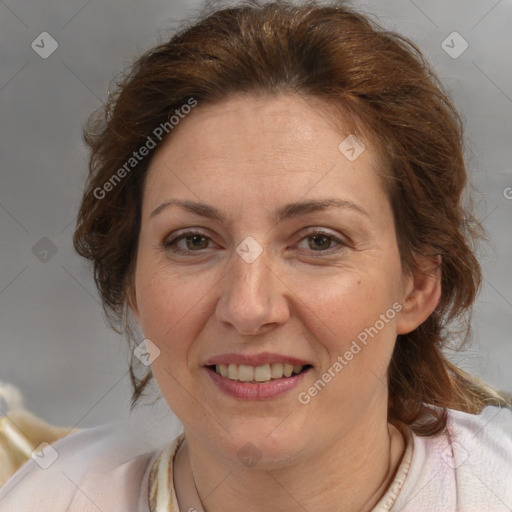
x,y
263,442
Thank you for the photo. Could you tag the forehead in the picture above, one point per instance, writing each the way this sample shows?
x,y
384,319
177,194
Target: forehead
x,y
262,127
275,148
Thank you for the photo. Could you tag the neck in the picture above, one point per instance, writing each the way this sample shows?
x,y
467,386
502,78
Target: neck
x,y
351,476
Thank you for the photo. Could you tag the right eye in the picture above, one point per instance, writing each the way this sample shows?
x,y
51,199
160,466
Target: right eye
x,y
191,241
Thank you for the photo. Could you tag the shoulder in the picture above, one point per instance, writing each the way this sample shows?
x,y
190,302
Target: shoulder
x,y
466,467
493,421
103,468
488,434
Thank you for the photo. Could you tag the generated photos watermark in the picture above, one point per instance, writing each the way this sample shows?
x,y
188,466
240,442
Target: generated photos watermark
x,y
351,147
146,352
159,134
305,397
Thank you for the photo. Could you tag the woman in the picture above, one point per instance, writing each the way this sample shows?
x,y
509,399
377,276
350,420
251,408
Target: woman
x,y
274,201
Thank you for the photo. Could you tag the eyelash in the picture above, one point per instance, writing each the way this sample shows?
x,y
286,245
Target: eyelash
x,y
169,245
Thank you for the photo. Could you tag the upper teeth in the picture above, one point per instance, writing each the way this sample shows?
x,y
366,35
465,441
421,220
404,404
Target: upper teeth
x,y
261,373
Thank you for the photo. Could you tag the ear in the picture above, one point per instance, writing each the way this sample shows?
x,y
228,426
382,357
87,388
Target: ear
x,y
422,293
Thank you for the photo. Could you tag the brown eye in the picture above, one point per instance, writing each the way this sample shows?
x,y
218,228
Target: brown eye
x,y
196,242
187,243
319,242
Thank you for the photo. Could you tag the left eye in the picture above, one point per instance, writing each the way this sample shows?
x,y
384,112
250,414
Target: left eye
x,y
320,242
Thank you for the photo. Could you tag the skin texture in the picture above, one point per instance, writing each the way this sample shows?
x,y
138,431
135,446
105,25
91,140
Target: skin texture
x,y
303,296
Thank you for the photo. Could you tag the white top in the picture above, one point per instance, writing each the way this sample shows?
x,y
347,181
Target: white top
x,y
467,468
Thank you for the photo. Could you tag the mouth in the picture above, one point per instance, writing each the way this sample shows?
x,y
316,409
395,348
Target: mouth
x,y
262,376
258,374
263,382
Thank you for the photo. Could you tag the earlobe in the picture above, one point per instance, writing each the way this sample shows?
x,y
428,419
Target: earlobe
x,y
422,294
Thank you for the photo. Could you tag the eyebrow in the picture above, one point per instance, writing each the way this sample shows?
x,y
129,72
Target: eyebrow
x,y
288,211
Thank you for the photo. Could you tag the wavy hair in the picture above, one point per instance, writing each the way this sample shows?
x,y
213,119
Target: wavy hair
x,y
377,78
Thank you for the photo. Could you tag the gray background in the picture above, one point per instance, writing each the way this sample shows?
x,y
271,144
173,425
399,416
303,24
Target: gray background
x,y
54,344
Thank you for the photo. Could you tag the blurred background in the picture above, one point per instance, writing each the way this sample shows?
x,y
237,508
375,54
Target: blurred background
x,y
57,59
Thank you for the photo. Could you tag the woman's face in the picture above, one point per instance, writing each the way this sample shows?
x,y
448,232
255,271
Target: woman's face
x,y
289,255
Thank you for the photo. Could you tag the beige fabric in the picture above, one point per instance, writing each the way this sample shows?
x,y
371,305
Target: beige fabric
x,y
162,495
20,433
103,468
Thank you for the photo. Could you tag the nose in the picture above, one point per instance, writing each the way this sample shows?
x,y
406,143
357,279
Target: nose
x,y
253,298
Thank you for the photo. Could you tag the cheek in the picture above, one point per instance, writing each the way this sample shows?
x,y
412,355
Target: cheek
x,y
353,315
168,310
164,301
174,306
348,301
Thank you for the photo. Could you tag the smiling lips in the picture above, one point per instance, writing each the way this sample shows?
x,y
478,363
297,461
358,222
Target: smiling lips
x,y
262,373
256,377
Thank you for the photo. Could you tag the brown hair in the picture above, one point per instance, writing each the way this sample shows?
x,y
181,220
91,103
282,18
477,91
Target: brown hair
x,y
381,80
